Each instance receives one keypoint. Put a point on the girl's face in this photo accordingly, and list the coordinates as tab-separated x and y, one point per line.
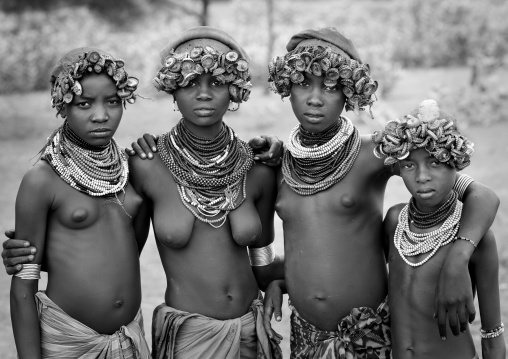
203	103
428	180
315	105
95	115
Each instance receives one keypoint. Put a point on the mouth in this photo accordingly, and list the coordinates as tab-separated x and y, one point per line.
204	111
425	193
314	116
99	132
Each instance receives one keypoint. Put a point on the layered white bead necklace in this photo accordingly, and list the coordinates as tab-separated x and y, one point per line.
410	244
95	170
308	170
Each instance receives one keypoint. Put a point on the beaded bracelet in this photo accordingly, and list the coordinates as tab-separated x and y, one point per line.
467	239
30	271
261	256
492	333
461	185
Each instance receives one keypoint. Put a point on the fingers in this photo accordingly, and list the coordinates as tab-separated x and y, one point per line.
13	270
151	141
453	321
471	311
15	243
10	233
144	147
441	322
257	142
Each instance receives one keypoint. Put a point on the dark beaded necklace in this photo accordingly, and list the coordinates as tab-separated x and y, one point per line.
210	173
94	170
311	139
429	219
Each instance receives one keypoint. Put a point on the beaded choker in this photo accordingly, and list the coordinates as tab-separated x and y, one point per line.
211	173
308	170
98	171
411	244
429	219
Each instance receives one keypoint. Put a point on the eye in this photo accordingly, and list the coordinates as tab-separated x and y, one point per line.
217	83
114	102
83	104
330	88
406	166
436	163
303	84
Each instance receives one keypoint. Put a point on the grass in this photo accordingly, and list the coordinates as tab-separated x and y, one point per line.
26	120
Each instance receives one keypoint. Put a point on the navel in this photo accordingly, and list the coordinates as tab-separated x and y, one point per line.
79	215
347	201
118	303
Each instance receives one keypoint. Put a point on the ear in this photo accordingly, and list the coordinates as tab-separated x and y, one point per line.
63	111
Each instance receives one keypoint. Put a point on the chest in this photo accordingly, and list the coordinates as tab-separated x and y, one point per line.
76	210
175	220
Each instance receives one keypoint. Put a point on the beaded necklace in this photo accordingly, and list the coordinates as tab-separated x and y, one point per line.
429	219
98	171
411	244
210	173
308	170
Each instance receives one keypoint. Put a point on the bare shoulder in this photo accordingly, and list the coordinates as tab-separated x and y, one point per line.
392	217
367	154
263	175
40	177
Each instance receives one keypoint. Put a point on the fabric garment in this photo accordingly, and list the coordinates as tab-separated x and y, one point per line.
363	334
178	334
64	337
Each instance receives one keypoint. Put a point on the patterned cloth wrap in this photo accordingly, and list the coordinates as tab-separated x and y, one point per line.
428	127
66	75
179	334
328	53
205	49
64	337
363	334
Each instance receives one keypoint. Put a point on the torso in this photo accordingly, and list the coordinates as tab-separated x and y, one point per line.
207	269
92	257
334	259
415	332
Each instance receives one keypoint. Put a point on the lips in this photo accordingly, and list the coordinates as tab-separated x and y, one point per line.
204	111
314	114
100	132
425	193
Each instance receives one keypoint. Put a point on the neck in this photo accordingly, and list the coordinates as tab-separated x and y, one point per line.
210	131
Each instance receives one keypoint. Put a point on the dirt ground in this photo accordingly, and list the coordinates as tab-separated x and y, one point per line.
26	120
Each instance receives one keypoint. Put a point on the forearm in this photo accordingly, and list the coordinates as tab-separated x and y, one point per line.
25	319
480	206
494	348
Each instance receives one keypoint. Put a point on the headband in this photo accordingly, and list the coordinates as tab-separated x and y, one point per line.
328	53
205	49
77	63
426	127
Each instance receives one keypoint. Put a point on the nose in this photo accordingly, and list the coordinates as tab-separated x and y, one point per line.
314	98
422	174
100	114
204	93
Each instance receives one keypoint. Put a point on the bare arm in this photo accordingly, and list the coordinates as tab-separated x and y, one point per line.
33	205
485	269
142	220
265	206
454	296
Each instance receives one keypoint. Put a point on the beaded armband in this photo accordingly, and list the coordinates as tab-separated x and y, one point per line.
261	256
30	271
461	185
467	239
492	333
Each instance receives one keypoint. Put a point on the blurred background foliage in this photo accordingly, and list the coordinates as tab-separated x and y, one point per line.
392	35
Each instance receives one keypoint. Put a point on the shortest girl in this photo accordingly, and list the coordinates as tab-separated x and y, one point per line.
429	151
78	208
